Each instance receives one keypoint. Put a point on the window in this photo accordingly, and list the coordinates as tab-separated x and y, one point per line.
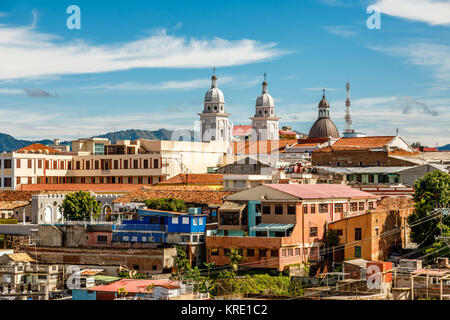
266	209
30	180
377	231
88	165
116	164
145	163
274	253
99	148
200	221
175	220
278	209
102	239
39	163
297	251
61	165
313	208
136	164
7	182
78	165
361	206
371	205
18	163
29	164
155	163
305	208
97	164
125	164
357	252
339	232
125	238
262	253
313	231
323	208
339	207
214	252
354	206
290	252
292	209
371	178
250	252
226	252
194	221
185	220
358	233
7	164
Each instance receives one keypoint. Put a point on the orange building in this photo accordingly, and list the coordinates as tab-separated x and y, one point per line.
275	225
373	235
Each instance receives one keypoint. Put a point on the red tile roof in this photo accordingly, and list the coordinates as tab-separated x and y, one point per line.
261	147
107	187
190	194
360	143
194	178
242	130
321	191
36	147
15	195
135	285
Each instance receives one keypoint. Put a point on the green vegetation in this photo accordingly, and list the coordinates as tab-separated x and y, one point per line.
166	204
235	256
431	191
80	206
8	221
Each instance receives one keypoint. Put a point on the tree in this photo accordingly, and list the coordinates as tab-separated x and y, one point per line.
80	206
235	256
441	248
331	239
416	144
122	292
430	191
166	204
181	261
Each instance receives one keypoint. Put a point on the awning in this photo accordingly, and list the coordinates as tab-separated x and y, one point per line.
272	227
232	206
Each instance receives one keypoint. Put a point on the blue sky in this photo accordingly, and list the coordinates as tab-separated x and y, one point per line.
147	65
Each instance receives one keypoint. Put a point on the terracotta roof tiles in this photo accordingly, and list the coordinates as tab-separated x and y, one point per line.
192	178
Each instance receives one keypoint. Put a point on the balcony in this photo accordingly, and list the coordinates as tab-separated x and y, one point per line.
140	227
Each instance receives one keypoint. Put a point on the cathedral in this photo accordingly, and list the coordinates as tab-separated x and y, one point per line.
215	124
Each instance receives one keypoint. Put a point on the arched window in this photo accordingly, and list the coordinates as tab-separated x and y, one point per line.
48	214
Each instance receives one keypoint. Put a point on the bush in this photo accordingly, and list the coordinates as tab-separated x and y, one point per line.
8	221
166	204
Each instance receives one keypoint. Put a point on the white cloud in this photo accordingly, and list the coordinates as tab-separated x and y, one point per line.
433	12
25	52
11	91
165	85
431	55
343	31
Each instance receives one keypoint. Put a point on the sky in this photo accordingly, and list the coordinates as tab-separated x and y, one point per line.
147	64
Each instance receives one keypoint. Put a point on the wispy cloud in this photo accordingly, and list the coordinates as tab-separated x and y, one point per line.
38	93
431	55
433	12
342	31
25	52
408	105
34	93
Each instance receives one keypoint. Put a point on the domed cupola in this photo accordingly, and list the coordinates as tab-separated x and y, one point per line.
324	127
214	122
265	121
213	97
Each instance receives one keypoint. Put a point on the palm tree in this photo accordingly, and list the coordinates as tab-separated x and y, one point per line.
235	256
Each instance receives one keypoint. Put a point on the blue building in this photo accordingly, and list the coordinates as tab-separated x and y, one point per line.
156	226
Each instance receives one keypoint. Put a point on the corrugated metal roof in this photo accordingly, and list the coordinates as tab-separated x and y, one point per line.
272	227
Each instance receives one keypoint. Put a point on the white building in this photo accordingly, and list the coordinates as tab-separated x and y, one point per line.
214	120
265	121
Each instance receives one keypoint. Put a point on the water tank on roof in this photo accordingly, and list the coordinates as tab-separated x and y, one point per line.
195	210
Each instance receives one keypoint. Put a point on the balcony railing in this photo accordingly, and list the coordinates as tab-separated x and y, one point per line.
140	227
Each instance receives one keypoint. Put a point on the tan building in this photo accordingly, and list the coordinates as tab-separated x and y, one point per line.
96	160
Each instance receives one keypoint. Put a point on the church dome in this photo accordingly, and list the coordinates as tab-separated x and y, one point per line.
265	99
214	94
323	128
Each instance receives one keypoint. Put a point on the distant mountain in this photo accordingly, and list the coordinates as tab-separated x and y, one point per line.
9	143
444	148
133	134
